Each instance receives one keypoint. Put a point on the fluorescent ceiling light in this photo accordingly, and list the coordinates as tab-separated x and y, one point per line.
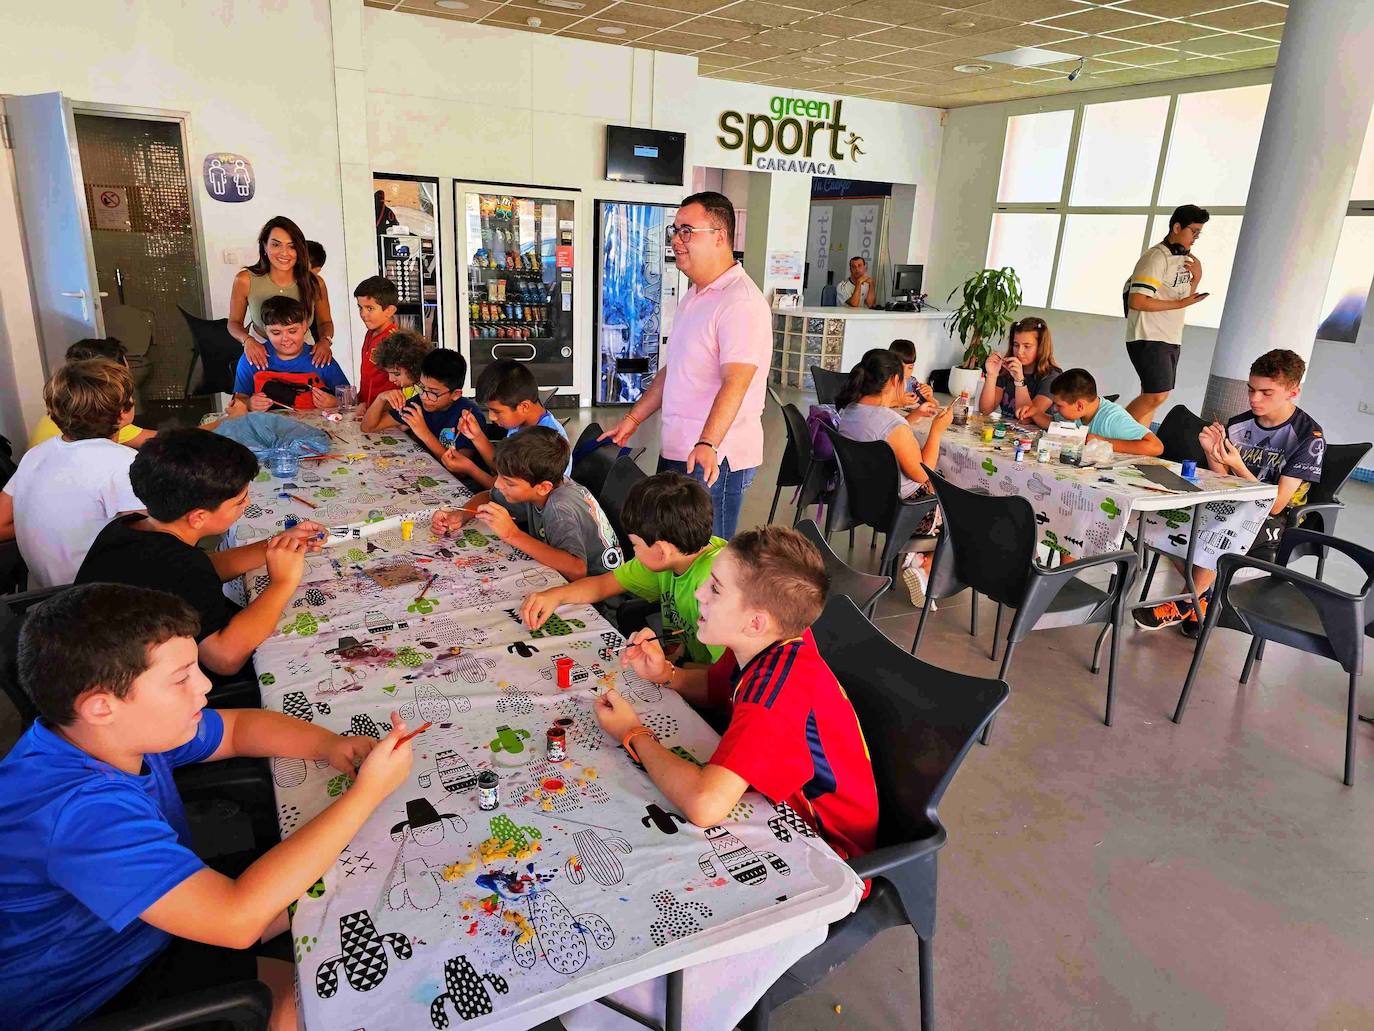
1029	57
451	5
610	30
564	5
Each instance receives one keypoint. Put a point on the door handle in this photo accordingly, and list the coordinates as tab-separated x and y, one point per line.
77	293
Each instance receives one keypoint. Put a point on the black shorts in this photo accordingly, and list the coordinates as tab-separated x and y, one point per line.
1156	363
186	966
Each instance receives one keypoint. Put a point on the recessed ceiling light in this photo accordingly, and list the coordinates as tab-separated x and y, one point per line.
610	30
1029	57
972	69
811	59
564	5
963	25
451	5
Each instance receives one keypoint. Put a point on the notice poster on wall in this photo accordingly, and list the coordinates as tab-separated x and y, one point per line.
818	243
111	208
782	276
863	232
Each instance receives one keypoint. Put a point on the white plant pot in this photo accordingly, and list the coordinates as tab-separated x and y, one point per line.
961	380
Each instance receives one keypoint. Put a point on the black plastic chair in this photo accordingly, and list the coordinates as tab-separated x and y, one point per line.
13	573
1323	502
799	467
1292	608
217	356
939	380
872	481
241	1006
592	463
1179	434
828	384
13	608
988	544
863	589
919	722
623	475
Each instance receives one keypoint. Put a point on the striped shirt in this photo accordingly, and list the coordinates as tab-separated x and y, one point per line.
794	737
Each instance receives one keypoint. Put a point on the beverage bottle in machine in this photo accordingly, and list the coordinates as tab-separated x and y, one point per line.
961	408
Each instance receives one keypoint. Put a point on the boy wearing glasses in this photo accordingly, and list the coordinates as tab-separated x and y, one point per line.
438	406
1162	284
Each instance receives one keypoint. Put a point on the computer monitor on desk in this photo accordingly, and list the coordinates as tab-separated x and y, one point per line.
906	282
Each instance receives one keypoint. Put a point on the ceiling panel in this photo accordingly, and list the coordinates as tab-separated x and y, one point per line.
906	50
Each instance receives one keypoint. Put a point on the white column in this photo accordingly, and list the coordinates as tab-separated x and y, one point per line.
1319	108
779	217
355	175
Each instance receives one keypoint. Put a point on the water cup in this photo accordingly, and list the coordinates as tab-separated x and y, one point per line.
348	398
1189	470
285	463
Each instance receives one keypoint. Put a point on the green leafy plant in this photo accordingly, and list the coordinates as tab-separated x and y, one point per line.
989	300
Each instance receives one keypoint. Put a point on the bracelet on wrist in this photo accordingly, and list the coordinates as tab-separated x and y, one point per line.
633	419
708	444
635	732
672	673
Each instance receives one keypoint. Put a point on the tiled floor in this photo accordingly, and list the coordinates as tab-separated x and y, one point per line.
1214	874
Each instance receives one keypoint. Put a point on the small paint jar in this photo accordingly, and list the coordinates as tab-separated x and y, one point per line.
557	749
564	667
407	529
488	798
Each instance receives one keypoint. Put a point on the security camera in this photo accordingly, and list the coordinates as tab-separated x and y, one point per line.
1077	70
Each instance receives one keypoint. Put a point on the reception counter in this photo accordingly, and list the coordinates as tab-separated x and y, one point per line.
836	338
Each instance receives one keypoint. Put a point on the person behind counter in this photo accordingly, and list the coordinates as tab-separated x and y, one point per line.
859	290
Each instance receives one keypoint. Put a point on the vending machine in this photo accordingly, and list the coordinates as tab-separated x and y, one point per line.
636	296
516	283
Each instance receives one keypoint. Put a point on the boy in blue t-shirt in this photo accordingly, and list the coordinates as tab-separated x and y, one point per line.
286	323
1075	395
511	395
432	415
102	900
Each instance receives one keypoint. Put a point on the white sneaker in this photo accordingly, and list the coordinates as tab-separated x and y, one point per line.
915	580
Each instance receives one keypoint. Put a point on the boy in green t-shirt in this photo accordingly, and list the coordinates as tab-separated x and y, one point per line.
668	519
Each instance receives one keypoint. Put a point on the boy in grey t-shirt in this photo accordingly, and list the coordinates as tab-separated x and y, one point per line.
531	506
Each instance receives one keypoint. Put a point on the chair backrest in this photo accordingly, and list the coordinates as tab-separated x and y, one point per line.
7	463
591	462
863	589
1338	464
939	380
777	400
546	398
796	457
919	720
828	384
217	355
13	608
623	475
871	477
990	539
1179	432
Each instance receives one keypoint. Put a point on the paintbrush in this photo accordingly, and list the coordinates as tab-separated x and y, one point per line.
427	586
297	497
418	730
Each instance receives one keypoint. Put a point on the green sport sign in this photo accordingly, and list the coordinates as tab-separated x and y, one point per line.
790	131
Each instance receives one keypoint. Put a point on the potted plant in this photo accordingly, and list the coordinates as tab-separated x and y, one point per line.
989	298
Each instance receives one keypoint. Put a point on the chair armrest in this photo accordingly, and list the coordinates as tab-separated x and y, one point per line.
1298	511
889	857
1310	542
245	1005
1045	584
1229	565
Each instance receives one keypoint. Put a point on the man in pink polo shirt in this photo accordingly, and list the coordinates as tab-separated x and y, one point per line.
712	388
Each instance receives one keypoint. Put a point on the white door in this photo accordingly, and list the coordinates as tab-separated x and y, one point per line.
56	229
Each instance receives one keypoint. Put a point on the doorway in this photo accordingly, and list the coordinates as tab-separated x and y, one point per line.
147	259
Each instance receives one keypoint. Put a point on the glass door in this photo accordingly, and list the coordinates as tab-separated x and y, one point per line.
407	212
516	298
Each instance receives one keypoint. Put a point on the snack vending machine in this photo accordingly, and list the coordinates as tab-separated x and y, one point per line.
516	296
636	296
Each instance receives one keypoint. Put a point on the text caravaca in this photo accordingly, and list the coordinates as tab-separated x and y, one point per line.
790	130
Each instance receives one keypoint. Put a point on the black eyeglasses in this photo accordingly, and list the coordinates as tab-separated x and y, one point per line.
434	395
686	232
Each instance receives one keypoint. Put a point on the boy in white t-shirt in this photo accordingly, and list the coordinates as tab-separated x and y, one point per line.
67	488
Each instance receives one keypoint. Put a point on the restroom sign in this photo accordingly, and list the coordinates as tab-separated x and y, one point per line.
229	177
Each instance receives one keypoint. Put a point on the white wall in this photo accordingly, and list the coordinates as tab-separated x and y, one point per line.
965	197
221	64
471	102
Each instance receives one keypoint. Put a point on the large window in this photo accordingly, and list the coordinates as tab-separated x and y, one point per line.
1102	180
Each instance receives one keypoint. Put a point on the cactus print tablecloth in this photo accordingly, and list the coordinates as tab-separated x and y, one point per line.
1082	515
584	880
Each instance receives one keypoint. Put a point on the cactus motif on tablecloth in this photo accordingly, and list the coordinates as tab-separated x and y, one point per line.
738	860
465	991
424	824
432	706
455	773
364	956
515	700
294	703
561	936
471	668
503	829
510	739
555	626
786	822
676	919
363	725
419	886
596	856
662	819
